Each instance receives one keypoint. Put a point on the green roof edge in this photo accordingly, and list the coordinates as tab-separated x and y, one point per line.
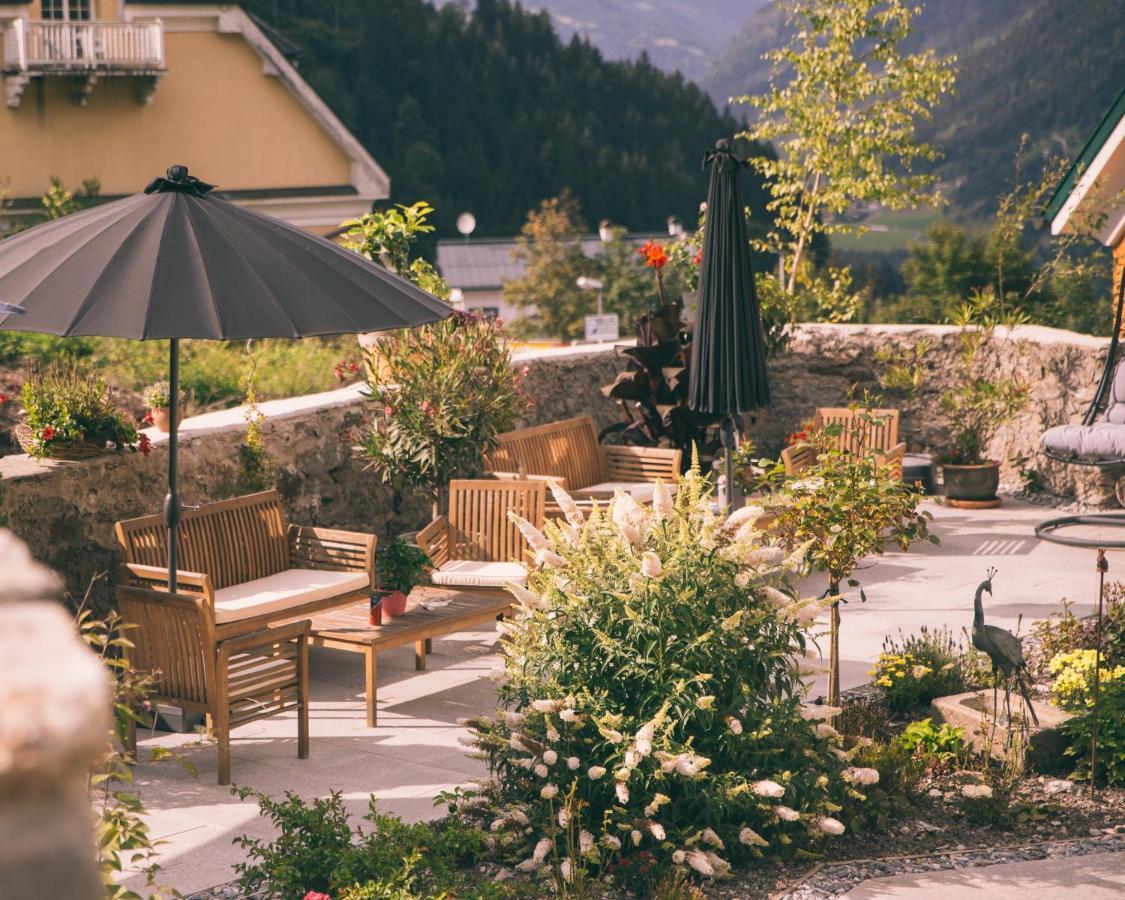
1093	146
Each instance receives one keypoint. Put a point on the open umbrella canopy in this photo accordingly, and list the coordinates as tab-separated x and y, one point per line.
175	262
178	262
728	358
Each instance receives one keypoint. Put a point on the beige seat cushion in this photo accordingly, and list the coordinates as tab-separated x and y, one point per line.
466	573
641	491
283	591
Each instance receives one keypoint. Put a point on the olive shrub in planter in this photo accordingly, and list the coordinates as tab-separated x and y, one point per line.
985	399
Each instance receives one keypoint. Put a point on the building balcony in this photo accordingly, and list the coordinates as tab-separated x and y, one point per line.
83	51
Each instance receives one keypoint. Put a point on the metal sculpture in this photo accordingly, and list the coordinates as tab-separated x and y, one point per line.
1006	652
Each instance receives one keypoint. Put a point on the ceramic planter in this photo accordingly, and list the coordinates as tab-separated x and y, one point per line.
394	603
162	419
971	483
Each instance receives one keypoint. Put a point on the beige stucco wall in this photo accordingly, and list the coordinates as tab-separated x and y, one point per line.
214	111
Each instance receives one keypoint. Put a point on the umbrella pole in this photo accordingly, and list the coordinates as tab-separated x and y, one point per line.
728	458
172	500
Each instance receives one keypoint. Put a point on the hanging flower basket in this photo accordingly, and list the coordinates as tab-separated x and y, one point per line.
58	449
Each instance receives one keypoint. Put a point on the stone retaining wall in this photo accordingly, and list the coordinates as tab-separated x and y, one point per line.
66	510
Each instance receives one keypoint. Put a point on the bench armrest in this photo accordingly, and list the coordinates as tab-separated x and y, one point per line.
893	458
434	541
311	547
798	457
516	476
156	577
641	463
268	636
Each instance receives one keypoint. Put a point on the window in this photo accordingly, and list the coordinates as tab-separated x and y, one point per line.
67	10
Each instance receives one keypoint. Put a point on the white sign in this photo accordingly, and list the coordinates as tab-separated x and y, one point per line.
602	328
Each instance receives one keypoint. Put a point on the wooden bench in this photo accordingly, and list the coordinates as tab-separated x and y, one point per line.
350	628
251	567
569	452
879	435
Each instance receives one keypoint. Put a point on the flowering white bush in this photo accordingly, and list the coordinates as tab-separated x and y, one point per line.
656	649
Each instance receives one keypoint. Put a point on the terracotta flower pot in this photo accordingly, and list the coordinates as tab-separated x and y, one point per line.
394	603
973	483
162	419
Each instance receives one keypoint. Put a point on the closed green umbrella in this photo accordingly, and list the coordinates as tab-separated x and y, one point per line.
728	355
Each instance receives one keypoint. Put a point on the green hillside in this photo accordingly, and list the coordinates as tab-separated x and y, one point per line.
490	111
1045	67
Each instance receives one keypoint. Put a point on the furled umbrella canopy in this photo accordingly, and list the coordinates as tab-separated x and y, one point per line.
728	359
179	262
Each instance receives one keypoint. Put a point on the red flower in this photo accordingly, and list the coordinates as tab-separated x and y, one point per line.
654	255
698	256
388	411
147	420
353	367
144	445
48	433
3	398
426	407
317	895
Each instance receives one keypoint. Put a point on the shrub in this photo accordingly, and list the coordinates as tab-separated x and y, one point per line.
864	718
912	671
942	744
65	406
651	698
1059	633
900	770
441	395
318	849
1073	691
846	506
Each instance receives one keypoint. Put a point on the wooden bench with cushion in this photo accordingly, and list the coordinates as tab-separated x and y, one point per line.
569	452
251	566
477	547
880	435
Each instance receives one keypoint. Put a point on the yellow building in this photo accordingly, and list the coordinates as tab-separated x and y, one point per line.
119	91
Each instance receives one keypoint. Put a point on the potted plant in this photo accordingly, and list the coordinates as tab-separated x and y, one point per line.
399	567
158	397
978	406
69	415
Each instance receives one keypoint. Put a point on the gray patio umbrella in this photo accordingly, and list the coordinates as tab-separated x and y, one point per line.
728	348
177	262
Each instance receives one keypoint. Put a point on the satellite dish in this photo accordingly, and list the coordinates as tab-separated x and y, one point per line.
466	223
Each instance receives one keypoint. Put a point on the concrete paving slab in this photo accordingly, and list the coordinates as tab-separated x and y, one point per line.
1099	876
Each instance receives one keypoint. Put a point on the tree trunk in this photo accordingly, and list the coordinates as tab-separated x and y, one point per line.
834	647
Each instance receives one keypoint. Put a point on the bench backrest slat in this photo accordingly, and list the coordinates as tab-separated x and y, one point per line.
478	517
568	449
233	541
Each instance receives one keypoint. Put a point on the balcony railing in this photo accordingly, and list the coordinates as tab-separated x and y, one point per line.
74	47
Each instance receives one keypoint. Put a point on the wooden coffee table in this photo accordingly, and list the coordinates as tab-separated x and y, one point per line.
348	628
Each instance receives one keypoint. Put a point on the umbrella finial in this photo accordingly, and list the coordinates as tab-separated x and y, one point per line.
177	180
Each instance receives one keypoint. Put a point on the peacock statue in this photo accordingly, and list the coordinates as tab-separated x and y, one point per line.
1004	649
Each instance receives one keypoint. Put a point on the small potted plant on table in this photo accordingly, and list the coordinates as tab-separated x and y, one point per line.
984	400
399	568
158	397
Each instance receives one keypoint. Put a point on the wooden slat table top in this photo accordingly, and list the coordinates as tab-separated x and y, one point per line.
350	625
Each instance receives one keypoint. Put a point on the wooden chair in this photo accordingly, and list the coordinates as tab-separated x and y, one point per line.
879	435
477	546
251	566
568	452
233	681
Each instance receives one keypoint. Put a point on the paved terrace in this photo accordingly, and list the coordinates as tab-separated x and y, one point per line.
415	751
